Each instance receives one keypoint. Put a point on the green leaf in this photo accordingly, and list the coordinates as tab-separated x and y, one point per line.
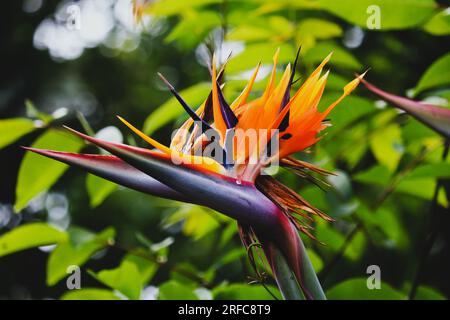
394	14
349	110
249	33
172	109
327	234
431	170
271	28
387	146
421	188
37	174
13	129
438	74
320	29
186	278
194	28
336	82
228	233
378	175
33	112
146	267
82	245
239	291
414	132
259	52
126	279
334	240
341	58
230	256
356	247
384	226
173	290
198	221
98	189
415	184
356	288
89	294
426	293
29	236
439	24
172	7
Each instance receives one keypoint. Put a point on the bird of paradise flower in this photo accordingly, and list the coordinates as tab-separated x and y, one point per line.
268	213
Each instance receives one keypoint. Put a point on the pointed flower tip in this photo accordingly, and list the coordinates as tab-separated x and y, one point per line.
275	56
166	82
361	76
354	83
129	125
38	151
32	149
43	152
74	131
213	61
138	132
436	117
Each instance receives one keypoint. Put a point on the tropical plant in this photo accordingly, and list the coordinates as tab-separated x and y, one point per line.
389	166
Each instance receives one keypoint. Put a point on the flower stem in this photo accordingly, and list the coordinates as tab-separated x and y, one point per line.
287	283
310	279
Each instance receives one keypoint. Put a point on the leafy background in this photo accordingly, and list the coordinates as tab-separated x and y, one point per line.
133	246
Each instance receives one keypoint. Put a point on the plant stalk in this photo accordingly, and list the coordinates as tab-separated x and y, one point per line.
287	283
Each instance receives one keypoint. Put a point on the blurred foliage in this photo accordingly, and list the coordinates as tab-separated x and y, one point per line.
133	246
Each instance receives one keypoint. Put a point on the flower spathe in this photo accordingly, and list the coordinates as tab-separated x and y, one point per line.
266	210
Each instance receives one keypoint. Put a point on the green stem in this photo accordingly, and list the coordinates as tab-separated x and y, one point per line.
310	279
287	283
285	278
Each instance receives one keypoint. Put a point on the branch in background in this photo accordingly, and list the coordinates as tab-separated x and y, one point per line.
433	232
380	200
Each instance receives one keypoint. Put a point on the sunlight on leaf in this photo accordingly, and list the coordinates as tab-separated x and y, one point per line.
439	24
395	14
98	189
30	236
125	279
172	7
198	221
90	294
171	109
13	129
173	290
341	58
356	288
438	74
37	174
387	146
315	260
82	245
244	292
259	52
